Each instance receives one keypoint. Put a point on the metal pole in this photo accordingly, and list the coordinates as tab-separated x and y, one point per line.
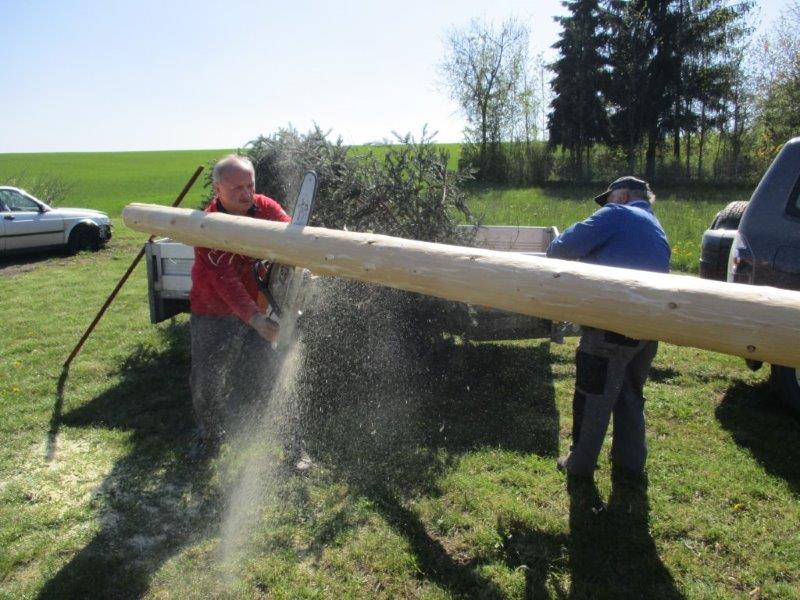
127	274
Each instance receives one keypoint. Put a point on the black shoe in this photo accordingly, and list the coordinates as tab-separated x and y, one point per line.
562	463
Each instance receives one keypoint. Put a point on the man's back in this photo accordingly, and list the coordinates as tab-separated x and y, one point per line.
618	235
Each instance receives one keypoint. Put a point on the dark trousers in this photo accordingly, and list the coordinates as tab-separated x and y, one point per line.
232	370
611	372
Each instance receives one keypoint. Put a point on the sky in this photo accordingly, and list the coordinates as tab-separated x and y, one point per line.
108	75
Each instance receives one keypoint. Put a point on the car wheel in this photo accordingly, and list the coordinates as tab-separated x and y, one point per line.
83	237
786	382
730	216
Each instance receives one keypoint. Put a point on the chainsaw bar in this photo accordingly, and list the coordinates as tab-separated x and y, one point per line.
285	282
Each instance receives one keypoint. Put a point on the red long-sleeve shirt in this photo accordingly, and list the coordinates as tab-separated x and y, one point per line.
223	282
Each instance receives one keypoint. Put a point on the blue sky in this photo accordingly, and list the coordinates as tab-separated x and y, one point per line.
96	76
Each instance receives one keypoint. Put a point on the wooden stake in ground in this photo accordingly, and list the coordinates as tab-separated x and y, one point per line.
761	323
125	277
55	417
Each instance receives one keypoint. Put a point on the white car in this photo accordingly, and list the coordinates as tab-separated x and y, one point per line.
29	224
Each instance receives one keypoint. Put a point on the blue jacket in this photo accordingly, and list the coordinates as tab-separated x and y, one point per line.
617	235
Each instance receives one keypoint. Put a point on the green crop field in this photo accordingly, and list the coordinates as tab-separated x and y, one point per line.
109	181
98	498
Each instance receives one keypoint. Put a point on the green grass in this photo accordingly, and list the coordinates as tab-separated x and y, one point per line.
113	507
108	181
482	511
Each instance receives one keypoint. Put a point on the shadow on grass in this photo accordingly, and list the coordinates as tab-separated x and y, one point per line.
609	551
22	262
153	502
757	422
612	554
485	395
663	374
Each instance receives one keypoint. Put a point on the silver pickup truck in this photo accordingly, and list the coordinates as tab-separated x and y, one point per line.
169	267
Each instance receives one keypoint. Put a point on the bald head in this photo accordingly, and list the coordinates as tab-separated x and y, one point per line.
229	164
234	183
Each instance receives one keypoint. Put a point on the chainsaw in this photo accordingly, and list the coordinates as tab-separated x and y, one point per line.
281	287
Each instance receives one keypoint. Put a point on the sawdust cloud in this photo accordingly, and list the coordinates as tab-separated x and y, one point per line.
349	387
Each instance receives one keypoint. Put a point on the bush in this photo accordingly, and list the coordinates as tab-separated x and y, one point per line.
367	348
50	190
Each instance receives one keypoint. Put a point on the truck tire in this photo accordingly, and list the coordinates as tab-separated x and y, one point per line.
786	383
718	239
730	216
714	250
83	237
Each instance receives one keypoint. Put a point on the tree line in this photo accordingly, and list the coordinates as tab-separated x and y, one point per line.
672	90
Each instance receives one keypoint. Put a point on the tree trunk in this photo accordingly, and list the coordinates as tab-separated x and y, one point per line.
761	323
588	162
581	169
650	155
701	143
630	157
688	155
721	143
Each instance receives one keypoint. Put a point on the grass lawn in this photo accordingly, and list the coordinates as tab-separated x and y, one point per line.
98	499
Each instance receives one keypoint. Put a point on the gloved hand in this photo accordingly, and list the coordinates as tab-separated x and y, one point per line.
266	328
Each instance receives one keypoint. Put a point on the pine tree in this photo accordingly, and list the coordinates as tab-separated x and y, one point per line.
710	33
671	70
630	48
578	117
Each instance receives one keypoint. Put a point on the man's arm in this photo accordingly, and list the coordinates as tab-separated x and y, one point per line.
584	237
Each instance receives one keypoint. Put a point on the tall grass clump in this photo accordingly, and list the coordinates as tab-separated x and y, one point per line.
50	190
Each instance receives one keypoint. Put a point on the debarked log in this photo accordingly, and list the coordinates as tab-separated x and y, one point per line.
760	323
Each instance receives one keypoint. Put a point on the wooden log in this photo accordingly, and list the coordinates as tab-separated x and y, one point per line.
760	323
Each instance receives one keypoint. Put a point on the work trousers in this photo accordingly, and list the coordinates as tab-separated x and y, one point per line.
232	371
611	372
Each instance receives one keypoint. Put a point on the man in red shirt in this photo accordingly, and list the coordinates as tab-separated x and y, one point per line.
232	357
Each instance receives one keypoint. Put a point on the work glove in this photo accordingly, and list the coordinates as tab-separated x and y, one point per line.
266	328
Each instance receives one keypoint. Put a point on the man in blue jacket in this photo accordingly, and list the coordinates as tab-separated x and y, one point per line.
611	369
